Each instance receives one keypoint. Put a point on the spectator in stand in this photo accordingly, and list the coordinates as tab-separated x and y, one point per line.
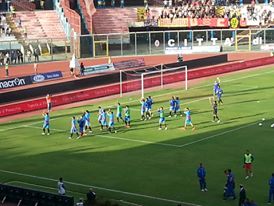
25	32
36	54
82	69
122	3
13	58
2	58
112	3
29	55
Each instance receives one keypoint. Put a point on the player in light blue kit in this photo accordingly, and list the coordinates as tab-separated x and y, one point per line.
188	120
46	123
127	116
100	111
172	105
87	121
111	121
143	109
73	129
103	120
162	119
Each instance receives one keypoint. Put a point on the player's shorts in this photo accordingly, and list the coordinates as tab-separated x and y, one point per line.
87	123
46	126
188	122
177	109
119	115
49	106
127	118
215	112
147	109
73	130
171	108
111	124
143	112
248	166
103	122
162	120
81	129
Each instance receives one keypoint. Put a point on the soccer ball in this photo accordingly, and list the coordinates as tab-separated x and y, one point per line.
260	124
272	126
263	119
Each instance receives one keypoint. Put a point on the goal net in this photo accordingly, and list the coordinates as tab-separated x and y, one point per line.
157	76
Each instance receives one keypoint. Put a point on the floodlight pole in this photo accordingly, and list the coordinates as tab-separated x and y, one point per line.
121	83
142	84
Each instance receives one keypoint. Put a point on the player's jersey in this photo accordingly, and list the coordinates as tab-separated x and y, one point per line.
48	98
216	87
143	106
127	112
73	123
111	118
161	113
46	119
219	93
215	108
119	109
177	104
187	113
100	112
103	117
87	116
81	122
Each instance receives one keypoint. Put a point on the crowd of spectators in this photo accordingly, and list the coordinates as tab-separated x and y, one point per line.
257	13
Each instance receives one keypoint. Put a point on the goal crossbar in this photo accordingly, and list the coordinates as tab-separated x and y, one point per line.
161	71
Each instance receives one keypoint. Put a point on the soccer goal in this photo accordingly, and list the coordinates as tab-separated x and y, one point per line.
159	75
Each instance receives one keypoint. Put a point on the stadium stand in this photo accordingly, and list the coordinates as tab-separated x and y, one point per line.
113	20
23	5
41	24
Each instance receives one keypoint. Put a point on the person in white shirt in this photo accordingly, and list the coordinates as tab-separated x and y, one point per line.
61	187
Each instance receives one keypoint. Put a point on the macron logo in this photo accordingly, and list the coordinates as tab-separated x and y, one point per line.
12	83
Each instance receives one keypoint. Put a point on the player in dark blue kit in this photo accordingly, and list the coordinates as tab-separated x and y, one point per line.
172	105
219	95
230	185
216	86
201	173
148	108
151	103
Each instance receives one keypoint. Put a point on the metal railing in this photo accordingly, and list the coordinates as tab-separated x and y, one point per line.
147	43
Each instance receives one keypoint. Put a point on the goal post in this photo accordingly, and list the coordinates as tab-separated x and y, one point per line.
159	75
162	72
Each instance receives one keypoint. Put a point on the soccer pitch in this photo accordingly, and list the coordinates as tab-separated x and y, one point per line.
146	166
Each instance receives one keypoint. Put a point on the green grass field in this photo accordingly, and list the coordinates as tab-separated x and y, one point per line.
143	165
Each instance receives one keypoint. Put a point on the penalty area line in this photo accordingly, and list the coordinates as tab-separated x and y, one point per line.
101	188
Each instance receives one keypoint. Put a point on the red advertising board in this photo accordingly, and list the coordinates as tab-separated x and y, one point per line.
135	85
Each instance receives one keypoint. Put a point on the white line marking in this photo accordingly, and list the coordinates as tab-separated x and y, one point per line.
102	188
41	186
25	125
218	134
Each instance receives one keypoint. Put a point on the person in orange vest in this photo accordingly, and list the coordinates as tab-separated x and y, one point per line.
49	105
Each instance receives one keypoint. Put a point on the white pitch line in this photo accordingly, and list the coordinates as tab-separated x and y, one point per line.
25	125
217	135
102	188
115	137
